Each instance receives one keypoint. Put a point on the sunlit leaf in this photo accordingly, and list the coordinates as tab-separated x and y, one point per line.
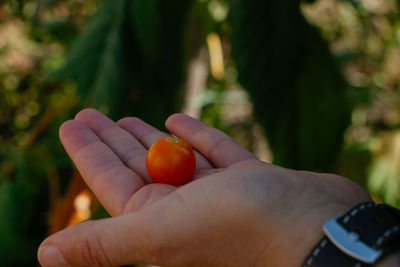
384	175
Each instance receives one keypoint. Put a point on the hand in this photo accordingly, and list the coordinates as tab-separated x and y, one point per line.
238	211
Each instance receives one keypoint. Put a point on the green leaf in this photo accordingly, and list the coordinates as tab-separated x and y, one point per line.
61	30
12	223
95	60
158	32
383	180
146	21
132	57
18	202
298	93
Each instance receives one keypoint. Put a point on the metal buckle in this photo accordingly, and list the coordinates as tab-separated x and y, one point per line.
349	242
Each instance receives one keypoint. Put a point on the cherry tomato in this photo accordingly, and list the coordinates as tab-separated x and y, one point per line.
171	160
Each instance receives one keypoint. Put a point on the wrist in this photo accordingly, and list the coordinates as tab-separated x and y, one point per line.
361	236
315	230
295	227
294	241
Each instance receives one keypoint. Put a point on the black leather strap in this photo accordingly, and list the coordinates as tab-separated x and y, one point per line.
326	254
377	225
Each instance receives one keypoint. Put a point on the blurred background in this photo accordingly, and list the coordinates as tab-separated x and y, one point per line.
310	85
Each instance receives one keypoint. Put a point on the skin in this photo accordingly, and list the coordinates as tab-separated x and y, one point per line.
238	210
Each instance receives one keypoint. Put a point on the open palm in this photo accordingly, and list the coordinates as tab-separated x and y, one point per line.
239	211
111	156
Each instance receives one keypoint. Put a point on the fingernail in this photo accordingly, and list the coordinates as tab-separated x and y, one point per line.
50	256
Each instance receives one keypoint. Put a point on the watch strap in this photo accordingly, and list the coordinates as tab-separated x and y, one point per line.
373	226
326	254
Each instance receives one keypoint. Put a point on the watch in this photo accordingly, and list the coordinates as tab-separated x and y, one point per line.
358	238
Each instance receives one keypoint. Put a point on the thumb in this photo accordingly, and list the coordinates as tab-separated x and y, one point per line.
137	237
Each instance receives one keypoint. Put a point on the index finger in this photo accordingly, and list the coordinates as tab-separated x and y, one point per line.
111	181
220	149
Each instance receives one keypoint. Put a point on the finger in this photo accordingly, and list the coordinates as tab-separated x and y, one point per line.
175	231
147	236
147	135
128	149
221	150
112	182
106	242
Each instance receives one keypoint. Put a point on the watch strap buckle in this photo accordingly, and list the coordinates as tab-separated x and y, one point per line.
349	242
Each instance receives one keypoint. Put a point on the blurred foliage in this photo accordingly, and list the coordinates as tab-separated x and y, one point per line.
113	61
364	38
302	106
319	79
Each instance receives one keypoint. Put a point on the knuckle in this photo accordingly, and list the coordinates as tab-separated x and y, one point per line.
93	252
132	155
217	147
199	130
